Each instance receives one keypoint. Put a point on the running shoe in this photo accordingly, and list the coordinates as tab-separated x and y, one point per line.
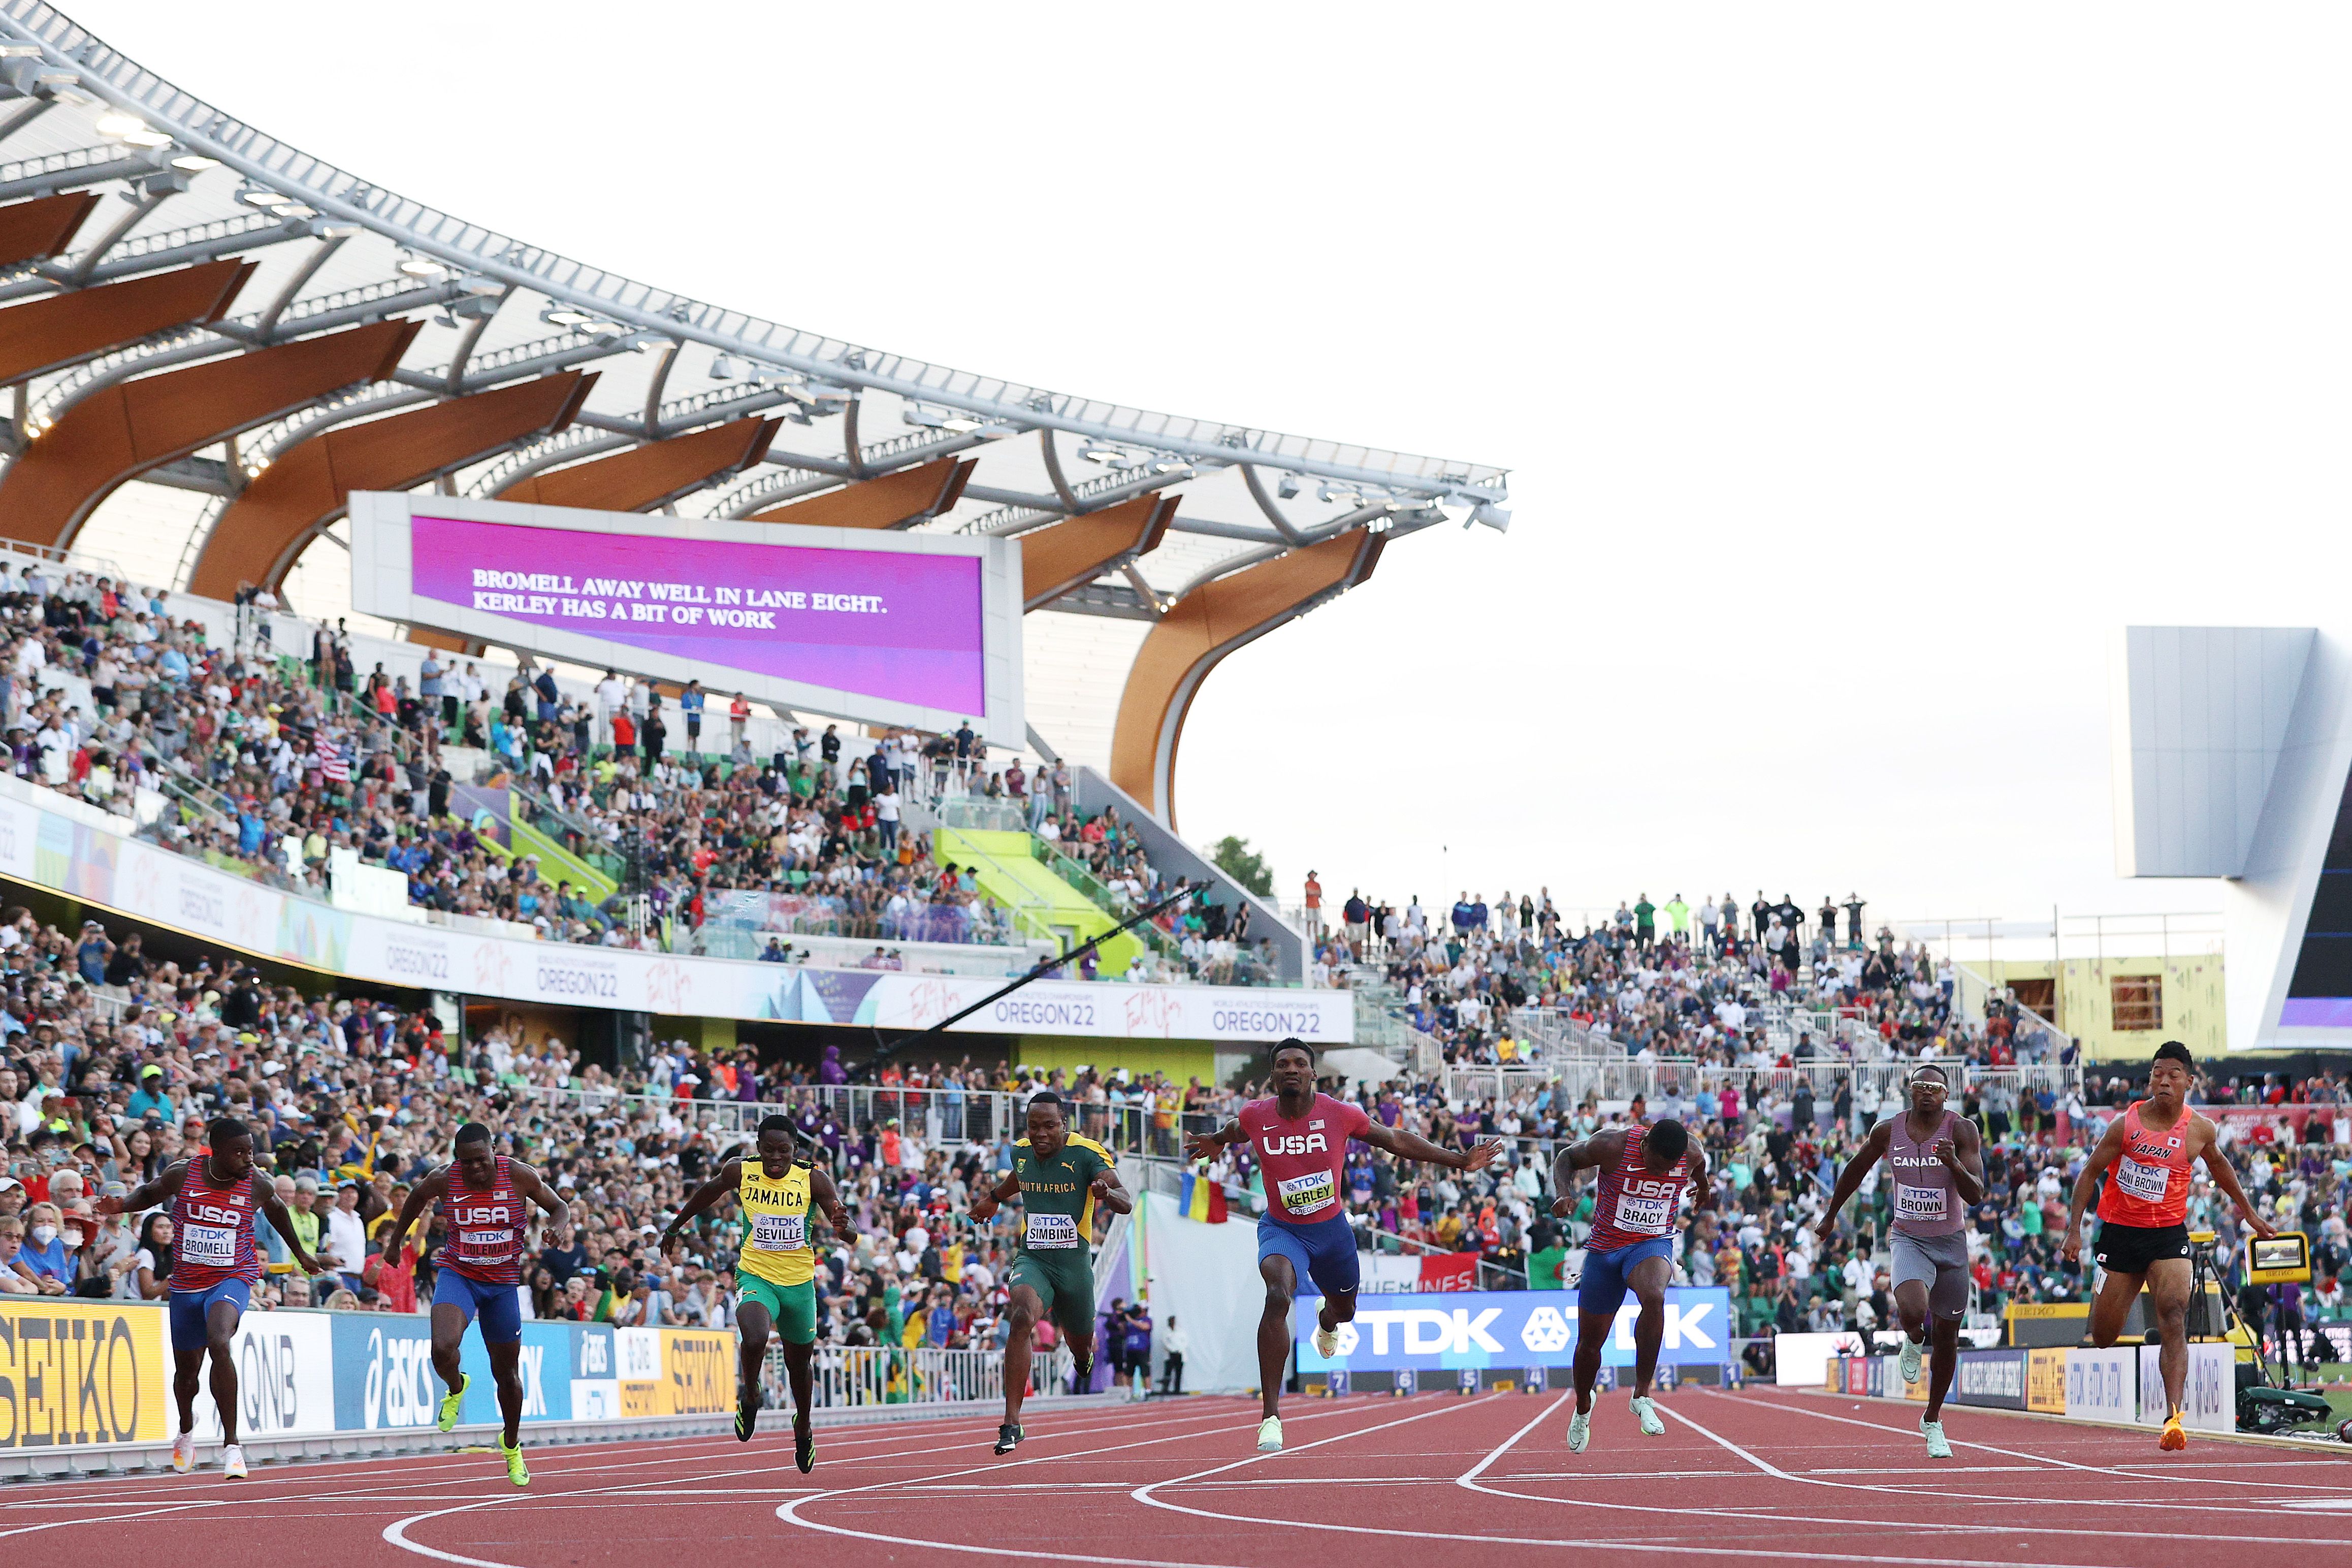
1327	1343
1646	1408
1083	1371
1938	1447
747	1413
1008	1437
232	1463
804	1448
2172	1439
1269	1435
1580	1432
516	1471
184	1452
449	1402
1908	1359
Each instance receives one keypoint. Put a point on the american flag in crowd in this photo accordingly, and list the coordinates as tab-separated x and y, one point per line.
334	762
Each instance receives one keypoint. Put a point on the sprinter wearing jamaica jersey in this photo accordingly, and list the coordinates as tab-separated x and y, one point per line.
775	1270
1060	1177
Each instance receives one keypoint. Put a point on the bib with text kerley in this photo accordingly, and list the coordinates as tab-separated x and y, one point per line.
1052	1232
2142	1181
780	1232
1648	1215
1305	1195
1919	1202
211	1246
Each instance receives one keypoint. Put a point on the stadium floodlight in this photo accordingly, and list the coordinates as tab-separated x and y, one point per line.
254	196
422	267
20	51
114	122
723	367
565	316
950	419
323	230
1288	488
1330	493
1102	452
295	210
1492	515
1171	465
194	162
475	308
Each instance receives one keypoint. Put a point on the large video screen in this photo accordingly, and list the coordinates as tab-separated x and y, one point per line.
918	629
2319	994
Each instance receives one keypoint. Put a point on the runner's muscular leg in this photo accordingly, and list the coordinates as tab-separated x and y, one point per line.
800	1362
1648	1281
220	1339
2112	1306
506	1369
751	1347
2167	1288
1911	1307
1274	1328
1339	1307
1592	1331
1943	1360
1024	1311
448	1334
187	1368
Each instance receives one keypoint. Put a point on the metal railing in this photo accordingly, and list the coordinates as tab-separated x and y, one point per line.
1878	1084
846	1375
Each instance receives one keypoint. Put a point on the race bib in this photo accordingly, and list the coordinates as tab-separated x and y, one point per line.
1920	1202
1307	1194
2142	1181
487	1242
211	1246
1646	1216
780	1232
1051	1233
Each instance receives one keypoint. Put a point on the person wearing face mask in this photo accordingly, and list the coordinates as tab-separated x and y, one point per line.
44	1260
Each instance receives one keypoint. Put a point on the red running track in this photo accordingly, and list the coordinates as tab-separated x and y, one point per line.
1757	1477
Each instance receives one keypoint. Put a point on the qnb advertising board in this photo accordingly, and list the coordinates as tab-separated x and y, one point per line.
1504	1328
916	629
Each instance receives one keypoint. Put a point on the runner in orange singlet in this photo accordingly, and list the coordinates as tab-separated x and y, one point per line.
2143	1217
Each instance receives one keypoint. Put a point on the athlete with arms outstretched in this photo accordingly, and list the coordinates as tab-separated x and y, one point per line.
1301	1138
215	1196
484	1197
2144	1214
1938	1161
775	1269
1646	1172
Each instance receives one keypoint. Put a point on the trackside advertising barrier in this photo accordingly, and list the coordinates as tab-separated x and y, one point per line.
1473	1329
80	1374
2115	1385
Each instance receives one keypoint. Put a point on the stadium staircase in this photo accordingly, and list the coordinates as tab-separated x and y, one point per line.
1043	904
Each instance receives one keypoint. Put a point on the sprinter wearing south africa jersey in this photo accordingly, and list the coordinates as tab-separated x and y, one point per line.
775	1269
1060	1177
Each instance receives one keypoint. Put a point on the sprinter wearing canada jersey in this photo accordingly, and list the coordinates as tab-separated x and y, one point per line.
484	1213
1301	1139
1646	1175
215	1196
2143	1217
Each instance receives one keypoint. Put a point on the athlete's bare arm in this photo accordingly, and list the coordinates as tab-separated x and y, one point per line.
2087	1186
1963	1155
1110	1194
533	1186
984	1207
724	1181
420	1196
1849	1181
2224	1176
821	1189
1702	1192
1407	1145
147	1195
1204	1146
283	1223
1602	1149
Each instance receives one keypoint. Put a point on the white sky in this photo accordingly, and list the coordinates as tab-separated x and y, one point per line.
1862	368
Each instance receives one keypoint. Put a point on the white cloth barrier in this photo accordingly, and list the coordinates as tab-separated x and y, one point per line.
1204	1277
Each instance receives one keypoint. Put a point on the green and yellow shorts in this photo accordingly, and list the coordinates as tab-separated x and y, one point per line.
792	1308
1065	1283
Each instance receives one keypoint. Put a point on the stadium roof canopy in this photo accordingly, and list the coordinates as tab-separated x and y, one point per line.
211	337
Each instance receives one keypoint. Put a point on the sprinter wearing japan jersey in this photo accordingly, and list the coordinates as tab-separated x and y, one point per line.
485	1218
1646	1174
2142	1217
1301	1139
215	1262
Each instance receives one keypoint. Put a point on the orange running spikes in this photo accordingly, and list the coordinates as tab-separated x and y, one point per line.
2172	1439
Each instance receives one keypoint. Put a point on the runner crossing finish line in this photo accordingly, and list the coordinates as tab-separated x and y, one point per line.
1645	1174
1060	1176
1938	1160
1301	1137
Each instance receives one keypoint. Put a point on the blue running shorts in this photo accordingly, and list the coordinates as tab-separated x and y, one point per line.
1323	1252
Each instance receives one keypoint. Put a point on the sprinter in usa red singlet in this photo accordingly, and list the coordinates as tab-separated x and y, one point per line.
484	1199
2143	1217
